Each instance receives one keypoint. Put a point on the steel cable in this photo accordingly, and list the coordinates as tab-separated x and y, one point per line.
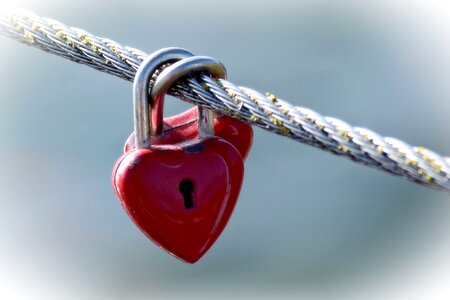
266	111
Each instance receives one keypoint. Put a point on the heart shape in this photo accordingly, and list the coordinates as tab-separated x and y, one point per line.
185	126
181	196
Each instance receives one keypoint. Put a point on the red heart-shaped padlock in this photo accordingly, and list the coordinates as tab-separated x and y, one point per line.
181	196
180	192
185	126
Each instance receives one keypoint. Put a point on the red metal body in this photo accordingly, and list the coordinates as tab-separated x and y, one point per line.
185	126
181	195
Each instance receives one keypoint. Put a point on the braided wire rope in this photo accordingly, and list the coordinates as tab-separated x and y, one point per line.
266	111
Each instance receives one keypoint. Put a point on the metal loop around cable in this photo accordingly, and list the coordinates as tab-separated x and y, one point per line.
148	124
170	75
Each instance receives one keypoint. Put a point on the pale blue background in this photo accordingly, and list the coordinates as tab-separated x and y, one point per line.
308	224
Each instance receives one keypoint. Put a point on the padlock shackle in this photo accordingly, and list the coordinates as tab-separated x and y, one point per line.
147	125
148	100
170	75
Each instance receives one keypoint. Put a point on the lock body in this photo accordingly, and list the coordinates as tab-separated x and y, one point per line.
185	201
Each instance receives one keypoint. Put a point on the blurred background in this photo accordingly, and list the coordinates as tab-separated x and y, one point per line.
307	225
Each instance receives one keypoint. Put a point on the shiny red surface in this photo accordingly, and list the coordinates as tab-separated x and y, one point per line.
184	126
147	183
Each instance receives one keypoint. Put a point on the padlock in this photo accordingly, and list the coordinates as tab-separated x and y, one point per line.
185	126
180	195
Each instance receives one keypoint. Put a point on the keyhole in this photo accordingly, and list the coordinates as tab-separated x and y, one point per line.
187	189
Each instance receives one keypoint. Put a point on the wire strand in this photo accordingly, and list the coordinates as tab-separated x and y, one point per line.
266	111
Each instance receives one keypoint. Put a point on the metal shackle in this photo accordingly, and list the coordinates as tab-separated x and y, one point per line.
181	68
148	101
144	125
